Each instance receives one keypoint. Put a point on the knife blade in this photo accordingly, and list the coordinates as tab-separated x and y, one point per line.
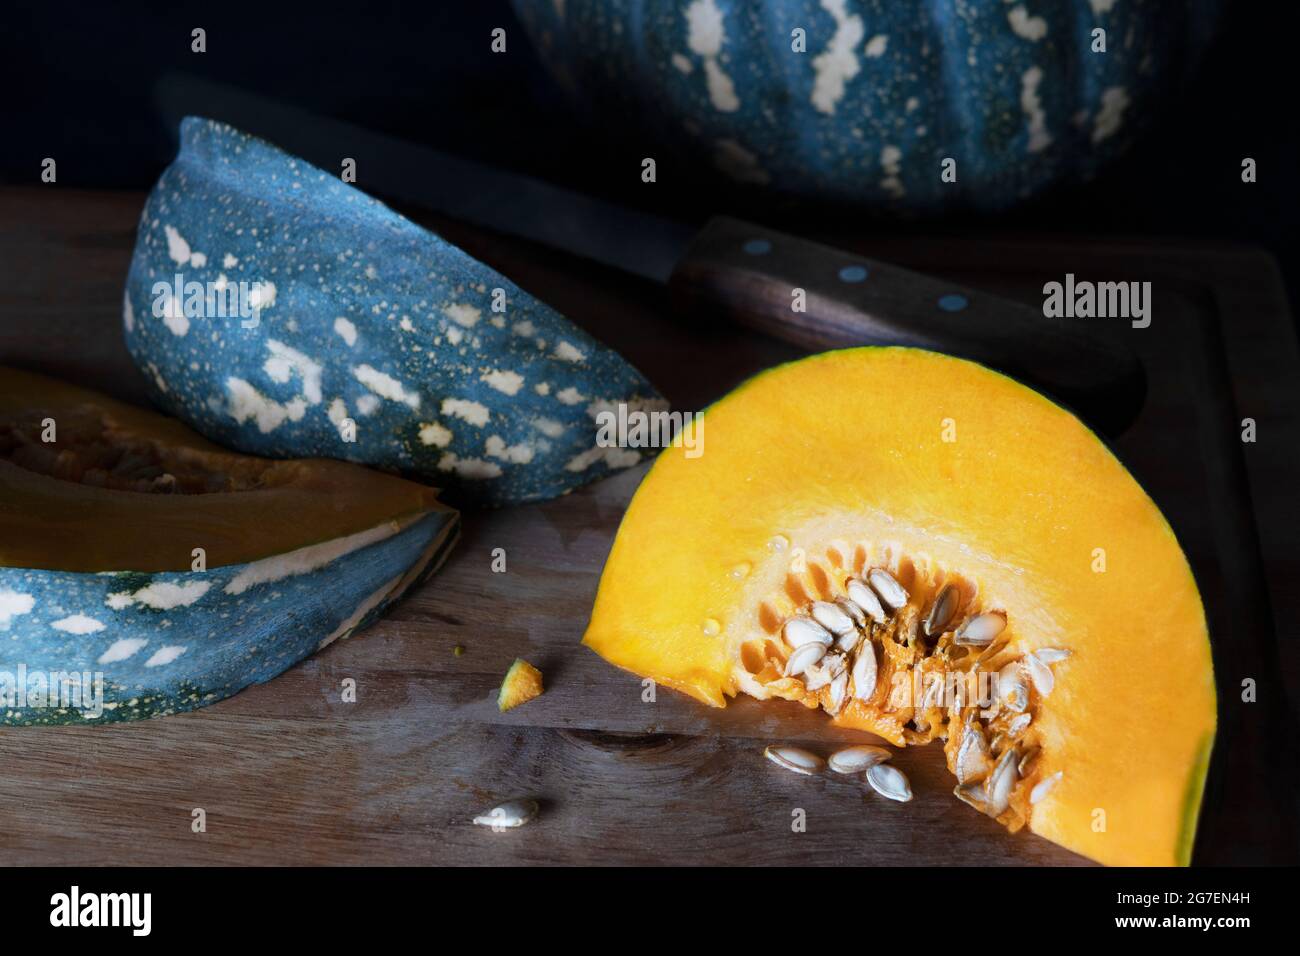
814	295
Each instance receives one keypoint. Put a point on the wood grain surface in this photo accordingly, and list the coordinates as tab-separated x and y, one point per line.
286	773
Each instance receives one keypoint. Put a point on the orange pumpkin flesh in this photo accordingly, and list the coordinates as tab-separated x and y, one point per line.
522	683
941	472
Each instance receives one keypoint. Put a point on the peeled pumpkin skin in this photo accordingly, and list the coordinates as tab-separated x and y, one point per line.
837	463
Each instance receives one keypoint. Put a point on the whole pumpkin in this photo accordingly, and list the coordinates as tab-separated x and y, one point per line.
908	104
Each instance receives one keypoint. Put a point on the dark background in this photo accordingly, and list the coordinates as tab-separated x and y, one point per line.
78	80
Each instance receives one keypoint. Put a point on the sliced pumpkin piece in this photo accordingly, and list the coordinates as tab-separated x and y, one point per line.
523	682
926	550
164	573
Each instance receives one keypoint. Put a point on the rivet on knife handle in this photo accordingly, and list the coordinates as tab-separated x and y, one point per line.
748	273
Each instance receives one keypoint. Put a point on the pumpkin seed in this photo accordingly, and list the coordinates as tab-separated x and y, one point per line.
1019	724
852	610
804	657
1016	698
826	670
887	586
973	758
800	631
864	671
866	599
847	642
1000	782
973	795
1051	655
838	688
1040	674
1030	756
514	813
941	611
980	629
795	759
889	782
857	759
1045	786
993	650
832	618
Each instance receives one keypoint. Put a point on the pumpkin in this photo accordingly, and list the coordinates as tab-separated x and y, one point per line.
163	573
928	550
1005	97
522	683
280	311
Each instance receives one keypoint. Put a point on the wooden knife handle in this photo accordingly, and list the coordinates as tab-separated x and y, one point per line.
750	274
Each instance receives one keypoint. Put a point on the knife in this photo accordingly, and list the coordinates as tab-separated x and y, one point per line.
746	272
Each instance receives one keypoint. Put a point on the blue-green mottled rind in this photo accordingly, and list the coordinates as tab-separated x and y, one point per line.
886	90
372	320
168	642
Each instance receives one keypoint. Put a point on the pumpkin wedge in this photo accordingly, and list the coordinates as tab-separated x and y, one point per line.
144	570
929	550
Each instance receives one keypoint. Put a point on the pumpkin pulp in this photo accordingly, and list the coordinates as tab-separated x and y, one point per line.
88	483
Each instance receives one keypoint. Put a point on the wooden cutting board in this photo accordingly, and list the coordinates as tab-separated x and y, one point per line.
287	774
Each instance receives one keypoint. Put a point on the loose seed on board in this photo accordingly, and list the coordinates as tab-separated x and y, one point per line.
889	782
1045	786
865	598
857	759
941	611
1040	674
804	657
1000	783
832	618
864	671
800	631
795	758
887	586
980	629
1051	655
514	813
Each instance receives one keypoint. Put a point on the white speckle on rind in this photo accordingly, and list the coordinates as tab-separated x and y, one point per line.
568	352
469	467
876	45
198	260
338	412
367	404
165	595
891	158
165	655
434	434
385	386
738	163
520	454
838	63
177	248
524	328
508	383
12	604
613	457
549	427
1039	138
173	314
466	410
284	361
570	396
682	63
346	330
308	559
247	403
128	313
465	315
120	650
229	261
1025	26
1102	6
705	34
77	624
1114	100
119	600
